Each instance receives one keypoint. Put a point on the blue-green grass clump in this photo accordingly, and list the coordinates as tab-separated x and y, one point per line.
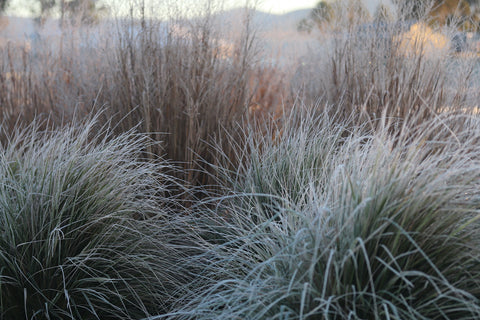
85	232
338	221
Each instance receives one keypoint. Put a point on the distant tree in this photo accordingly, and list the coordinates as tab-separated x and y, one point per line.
3	5
322	13
45	7
343	13
439	12
83	11
75	11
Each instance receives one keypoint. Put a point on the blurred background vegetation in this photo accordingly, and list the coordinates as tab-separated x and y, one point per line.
440	12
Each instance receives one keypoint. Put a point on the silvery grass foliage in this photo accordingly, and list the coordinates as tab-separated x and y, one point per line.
84	230
335	221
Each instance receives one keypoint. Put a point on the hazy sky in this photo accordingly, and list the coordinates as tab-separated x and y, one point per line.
282	6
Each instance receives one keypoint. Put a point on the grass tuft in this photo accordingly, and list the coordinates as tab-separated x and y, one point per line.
85	230
333	221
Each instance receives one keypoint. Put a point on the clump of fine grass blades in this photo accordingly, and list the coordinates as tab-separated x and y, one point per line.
334	221
84	230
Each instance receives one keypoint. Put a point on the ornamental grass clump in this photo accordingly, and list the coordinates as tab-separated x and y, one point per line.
84	230
343	223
